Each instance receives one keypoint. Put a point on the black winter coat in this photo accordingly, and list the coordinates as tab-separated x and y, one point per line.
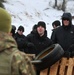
21	42
40	43
63	36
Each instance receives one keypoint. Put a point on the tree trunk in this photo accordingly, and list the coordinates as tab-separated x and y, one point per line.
55	4
64	5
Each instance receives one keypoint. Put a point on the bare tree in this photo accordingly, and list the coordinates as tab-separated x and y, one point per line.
64	5
55	4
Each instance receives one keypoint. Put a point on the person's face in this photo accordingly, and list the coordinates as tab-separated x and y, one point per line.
40	30
20	32
66	22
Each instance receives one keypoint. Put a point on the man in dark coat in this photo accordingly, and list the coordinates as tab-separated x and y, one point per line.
21	39
39	39
64	35
23	44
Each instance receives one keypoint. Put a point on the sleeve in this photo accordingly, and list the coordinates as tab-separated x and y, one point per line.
53	37
22	64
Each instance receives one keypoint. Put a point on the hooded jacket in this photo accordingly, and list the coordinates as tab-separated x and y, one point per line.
64	35
69	17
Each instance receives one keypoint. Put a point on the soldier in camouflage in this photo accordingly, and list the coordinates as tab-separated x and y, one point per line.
12	61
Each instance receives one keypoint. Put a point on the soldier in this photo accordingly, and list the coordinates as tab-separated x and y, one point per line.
12	61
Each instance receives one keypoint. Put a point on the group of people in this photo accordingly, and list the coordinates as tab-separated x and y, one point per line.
14	46
35	42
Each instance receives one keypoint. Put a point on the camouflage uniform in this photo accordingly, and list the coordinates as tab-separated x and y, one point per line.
17	63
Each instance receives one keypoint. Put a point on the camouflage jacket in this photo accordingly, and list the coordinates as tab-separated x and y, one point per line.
19	64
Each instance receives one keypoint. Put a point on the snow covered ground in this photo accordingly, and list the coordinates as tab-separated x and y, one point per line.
29	12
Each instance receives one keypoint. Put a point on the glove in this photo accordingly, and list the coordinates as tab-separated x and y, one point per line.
72	54
67	54
71	50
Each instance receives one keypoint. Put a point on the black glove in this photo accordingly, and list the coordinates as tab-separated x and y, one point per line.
72	54
67	54
71	50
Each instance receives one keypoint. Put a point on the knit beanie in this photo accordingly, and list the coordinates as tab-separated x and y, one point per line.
41	23
5	21
21	28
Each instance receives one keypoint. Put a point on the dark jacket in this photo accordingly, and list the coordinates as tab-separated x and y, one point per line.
21	42
64	35
40	43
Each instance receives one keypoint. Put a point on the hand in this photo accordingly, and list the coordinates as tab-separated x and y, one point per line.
71	50
67	54
72	54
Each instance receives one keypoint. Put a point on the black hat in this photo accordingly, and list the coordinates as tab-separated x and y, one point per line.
56	23
21	28
34	27
13	30
41	23
13	27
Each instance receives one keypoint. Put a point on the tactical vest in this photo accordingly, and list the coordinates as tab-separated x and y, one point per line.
5	63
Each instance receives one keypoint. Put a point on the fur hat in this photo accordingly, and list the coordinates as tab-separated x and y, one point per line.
5	21
21	28
41	23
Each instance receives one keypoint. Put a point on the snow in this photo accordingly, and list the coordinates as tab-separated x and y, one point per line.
29	12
